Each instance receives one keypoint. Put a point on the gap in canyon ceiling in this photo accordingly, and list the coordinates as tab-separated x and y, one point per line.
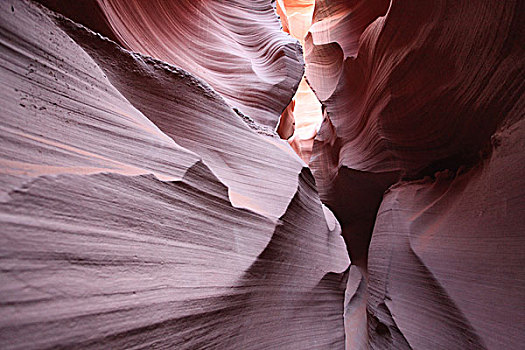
302	118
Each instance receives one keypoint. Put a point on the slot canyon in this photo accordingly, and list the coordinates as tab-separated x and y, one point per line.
262	174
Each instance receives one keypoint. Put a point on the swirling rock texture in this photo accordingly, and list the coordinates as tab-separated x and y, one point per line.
147	202
139	210
420	156
237	47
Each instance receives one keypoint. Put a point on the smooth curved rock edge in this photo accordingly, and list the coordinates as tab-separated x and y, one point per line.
301	120
118	228
420	156
134	215
235	46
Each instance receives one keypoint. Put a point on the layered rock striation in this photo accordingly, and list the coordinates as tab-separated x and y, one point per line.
237	47
420	156
138	209
146	200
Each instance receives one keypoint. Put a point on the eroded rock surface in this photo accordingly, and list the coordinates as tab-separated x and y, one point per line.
138	209
237	47
446	262
302	118
421	97
147	202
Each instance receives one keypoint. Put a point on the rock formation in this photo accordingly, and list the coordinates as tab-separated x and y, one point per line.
420	156
301	120
237	46
140	210
148	199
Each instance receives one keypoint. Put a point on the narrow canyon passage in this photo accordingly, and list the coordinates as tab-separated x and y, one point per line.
257	174
302	118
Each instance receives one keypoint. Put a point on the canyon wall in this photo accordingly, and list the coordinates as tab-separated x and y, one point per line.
237	46
421	158
139	209
147	200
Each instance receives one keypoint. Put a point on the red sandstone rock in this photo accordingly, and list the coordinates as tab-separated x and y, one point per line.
446	258
304	115
139	210
425	91
235	46
286	125
409	100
